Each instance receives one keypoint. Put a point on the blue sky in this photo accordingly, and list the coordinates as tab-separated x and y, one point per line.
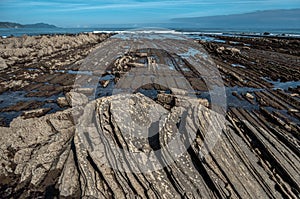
76	13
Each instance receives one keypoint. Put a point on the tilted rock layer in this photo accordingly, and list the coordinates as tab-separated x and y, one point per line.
53	156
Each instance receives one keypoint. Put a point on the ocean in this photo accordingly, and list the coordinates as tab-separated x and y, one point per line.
17	32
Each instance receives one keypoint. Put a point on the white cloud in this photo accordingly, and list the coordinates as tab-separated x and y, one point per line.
135	4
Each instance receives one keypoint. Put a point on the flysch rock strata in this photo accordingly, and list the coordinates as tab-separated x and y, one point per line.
51	155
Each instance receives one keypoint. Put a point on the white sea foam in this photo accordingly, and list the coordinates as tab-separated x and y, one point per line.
139	31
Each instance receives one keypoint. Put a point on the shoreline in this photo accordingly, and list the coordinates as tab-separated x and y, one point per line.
19	32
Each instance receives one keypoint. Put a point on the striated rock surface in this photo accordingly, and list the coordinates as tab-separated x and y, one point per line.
111	148
33	153
50	156
37	71
16	49
2	64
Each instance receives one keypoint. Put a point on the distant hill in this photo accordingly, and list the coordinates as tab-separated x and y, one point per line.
17	25
259	19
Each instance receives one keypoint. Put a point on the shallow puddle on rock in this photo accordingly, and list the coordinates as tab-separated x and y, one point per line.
282	85
75	72
206	38
238	65
11	98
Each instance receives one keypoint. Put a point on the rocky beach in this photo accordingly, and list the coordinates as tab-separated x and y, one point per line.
62	116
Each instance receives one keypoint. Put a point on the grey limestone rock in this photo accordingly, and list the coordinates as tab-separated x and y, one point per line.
128	146
3	65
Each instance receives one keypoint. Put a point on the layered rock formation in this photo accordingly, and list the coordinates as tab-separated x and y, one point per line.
30	50
97	158
36	70
131	146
